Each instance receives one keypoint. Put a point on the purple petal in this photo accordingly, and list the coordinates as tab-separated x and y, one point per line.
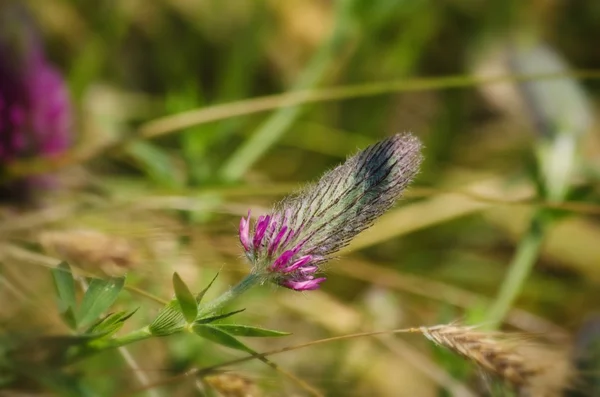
306	270
244	232
282	260
260	229
304	285
275	242
272	227
303	260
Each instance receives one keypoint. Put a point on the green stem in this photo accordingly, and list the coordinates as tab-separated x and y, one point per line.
132	337
135	336
248	282
98	346
520	267
144	333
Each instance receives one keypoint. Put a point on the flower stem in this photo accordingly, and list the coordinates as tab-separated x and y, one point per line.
248	282
132	337
520	267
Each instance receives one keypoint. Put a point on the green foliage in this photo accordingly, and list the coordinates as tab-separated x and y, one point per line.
246	330
210	319
65	290
220	337
201	294
99	296
155	162
178	131
187	302
169	320
110	324
184	309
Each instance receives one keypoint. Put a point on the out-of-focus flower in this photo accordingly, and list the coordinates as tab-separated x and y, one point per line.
35	115
558	107
289	245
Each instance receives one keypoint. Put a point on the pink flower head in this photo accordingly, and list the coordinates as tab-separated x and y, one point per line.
35	116
289	245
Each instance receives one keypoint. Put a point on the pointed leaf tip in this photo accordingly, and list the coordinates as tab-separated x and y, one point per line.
221	337
249	331
187	301
201	294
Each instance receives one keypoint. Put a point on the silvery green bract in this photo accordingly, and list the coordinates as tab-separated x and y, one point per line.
306	229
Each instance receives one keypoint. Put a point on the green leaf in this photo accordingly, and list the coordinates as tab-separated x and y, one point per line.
203	292
65	289
187	302
207	320
110	323
169	320
219	336
69	317
99	296
246	330
156	162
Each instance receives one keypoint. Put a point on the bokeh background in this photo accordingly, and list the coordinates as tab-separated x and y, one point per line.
180	124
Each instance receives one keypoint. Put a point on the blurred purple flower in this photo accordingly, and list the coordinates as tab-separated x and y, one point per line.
35	114
289	245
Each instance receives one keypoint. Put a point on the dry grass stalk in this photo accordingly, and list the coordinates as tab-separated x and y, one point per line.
232	385
531	369
92	250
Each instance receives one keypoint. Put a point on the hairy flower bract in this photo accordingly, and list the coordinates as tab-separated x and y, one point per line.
289	245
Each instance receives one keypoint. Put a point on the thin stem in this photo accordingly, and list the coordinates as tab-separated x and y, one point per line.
132	337
248	282
520	267
128	357
138	372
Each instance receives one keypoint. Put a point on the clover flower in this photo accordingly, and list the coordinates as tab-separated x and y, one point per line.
35	116
289	245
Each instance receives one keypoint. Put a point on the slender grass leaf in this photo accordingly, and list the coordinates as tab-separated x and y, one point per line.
99	296
65	287
156	162
560	110
207	320
187	302
268	133
201	294
221	337
246	330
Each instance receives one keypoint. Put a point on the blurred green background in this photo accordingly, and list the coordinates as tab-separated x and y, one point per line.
180	128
